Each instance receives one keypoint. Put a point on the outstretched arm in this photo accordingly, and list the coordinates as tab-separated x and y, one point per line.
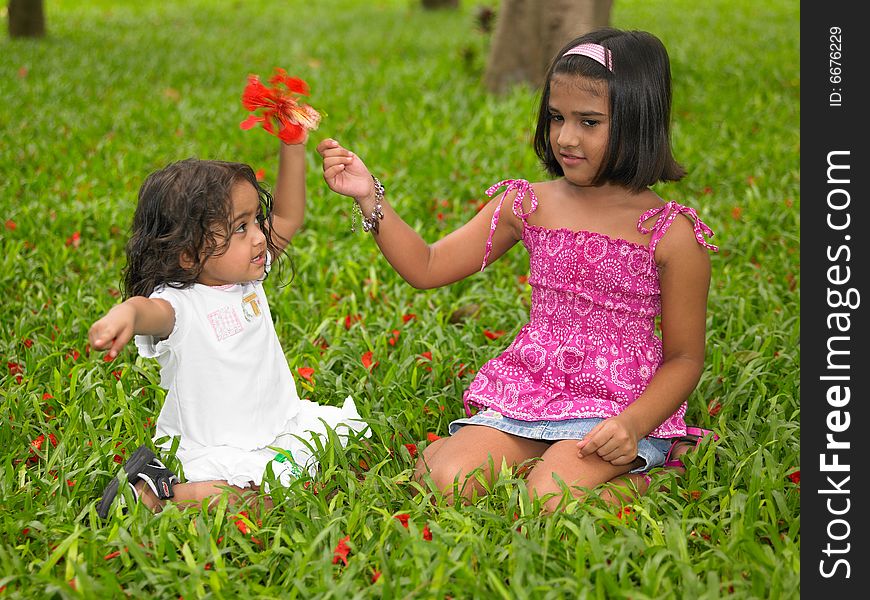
135	316
423	265
288	209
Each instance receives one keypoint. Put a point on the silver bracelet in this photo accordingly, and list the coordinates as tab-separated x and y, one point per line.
370	223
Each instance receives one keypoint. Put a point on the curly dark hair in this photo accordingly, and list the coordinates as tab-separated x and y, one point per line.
182	209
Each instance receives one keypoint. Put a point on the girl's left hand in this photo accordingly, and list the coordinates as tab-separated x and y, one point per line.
612	441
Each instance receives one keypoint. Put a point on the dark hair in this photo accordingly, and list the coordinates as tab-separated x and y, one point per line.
638	150
182	210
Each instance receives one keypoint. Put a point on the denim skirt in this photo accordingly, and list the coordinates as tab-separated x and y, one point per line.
651	449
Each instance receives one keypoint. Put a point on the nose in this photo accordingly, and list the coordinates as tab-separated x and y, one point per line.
259	236
568	136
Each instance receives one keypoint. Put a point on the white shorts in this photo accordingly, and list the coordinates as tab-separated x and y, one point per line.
289	454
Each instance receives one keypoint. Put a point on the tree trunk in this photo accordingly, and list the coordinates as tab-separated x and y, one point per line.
26	18
529	32
430	4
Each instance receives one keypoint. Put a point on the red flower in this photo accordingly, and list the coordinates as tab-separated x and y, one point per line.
714	407
349	320
493	335
241	524
403	519
367	361
11	225
28	343
394	338
432	437
412	449
408	317
260	174
74	240
375	576
279	106
795	477
306	373
341	551
14	368
427	533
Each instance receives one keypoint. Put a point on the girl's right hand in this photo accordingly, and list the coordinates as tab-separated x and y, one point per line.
113	330
344	172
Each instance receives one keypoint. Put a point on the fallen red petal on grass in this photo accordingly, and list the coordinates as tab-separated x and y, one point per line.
368	362
341	551
493	335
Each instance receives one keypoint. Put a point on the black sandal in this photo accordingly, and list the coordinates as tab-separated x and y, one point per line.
142	465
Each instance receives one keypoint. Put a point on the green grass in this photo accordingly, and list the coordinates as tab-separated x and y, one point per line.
118	89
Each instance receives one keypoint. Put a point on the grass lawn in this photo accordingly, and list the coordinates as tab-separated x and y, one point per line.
119	89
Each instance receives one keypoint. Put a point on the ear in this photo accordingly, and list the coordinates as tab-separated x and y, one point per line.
185	260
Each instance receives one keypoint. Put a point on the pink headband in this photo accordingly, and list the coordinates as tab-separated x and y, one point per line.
596	52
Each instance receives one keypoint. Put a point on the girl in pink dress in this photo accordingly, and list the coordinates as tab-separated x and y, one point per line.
588	390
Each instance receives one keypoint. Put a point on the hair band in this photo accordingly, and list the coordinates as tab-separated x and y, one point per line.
596	52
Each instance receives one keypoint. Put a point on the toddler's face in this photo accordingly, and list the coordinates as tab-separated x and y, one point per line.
579	125
245	257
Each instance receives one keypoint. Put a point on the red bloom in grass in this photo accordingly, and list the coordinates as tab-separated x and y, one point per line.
260	174
350	319
403	519
412	449
341	551
11	225
306	373
795	477
74	240
367	361
28	343
493	335
394	338
427	533
714	407
626	512
15	368
375	576
241	525
432	437
279	107
408	317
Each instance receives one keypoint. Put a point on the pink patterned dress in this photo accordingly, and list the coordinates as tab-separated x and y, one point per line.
590	347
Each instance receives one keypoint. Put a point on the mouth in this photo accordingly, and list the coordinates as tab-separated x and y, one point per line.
260	259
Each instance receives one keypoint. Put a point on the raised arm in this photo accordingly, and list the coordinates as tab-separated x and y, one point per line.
453	257
288	209
135	316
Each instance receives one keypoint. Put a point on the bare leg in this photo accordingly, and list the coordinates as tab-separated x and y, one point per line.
454	458
580	474
193	493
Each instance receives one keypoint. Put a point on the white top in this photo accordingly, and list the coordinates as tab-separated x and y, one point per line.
227	379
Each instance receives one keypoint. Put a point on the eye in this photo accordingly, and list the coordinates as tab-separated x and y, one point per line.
555	117
590	122
241	228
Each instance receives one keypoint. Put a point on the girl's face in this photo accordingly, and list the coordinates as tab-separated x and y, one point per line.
579	125
245	257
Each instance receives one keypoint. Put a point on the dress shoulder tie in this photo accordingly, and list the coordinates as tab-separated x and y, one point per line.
522	188
666	215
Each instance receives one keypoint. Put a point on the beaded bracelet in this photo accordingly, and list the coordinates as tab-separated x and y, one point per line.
370	223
